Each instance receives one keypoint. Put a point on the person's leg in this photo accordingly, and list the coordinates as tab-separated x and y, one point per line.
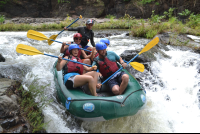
90	78
113	85
119	83
115	89
124	83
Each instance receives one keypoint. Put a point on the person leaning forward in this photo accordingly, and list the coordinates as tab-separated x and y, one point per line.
87	34
106	63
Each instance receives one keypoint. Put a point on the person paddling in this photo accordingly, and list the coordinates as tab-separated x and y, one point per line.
73	72
106	63
87	34
77	40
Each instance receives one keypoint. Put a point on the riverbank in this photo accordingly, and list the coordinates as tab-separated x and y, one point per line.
19	112
147	28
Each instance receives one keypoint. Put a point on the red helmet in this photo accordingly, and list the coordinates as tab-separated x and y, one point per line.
77	35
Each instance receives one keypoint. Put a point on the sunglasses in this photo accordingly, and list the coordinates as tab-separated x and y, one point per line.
78	38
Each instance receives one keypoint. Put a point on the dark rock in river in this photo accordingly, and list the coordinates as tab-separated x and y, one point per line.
2	59
181	41
148	56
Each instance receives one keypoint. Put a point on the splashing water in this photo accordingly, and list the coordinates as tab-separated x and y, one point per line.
171	84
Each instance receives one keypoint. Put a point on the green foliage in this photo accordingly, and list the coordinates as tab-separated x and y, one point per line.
3	2
155	18
2	19
185	13
63	1
157	3
146	1
32	110
169	14
110	16
194	21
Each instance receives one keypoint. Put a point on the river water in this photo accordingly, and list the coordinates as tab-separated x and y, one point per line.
172	86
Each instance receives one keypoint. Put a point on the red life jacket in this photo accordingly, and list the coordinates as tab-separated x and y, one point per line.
66	52
107	67
73	67
97	54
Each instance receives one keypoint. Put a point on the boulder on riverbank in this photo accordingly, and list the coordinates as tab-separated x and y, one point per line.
2	59
182	41
12	118
11	121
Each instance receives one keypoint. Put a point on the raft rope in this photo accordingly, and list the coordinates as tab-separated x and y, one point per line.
122	104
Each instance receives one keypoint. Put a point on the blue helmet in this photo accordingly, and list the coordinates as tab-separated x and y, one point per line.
101	46
105	41
73	46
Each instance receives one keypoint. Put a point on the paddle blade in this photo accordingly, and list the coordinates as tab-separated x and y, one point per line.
24	49
80	17
53	37
137	66
150	45
36	35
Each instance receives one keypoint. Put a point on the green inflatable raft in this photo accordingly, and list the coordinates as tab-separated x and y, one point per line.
90	108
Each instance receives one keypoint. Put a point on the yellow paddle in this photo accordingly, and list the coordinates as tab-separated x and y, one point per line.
39	36
146	48
53	37
28	50
137	66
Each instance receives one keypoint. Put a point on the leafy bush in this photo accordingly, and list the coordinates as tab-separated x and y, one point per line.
146	1
110	16
185	13
3	2
2	19
194	20
170	12
156	18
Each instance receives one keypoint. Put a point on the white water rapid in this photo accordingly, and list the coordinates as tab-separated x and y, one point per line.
172	86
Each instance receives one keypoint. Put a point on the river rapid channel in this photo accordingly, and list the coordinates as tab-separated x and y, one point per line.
172	85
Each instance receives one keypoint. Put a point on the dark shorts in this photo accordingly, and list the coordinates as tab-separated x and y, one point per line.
70	82
115	80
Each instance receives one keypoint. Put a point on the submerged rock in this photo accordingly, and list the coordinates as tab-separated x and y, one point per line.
148	56
181	41
2	59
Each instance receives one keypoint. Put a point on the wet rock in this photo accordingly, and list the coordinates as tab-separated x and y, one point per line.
147	56
6	124
182	42
1	129
103	35
29	20
4	85
2	59
1	76
8	107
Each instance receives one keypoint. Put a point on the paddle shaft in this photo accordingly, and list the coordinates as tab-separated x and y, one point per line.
68	45
120	69
69	25
68	60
